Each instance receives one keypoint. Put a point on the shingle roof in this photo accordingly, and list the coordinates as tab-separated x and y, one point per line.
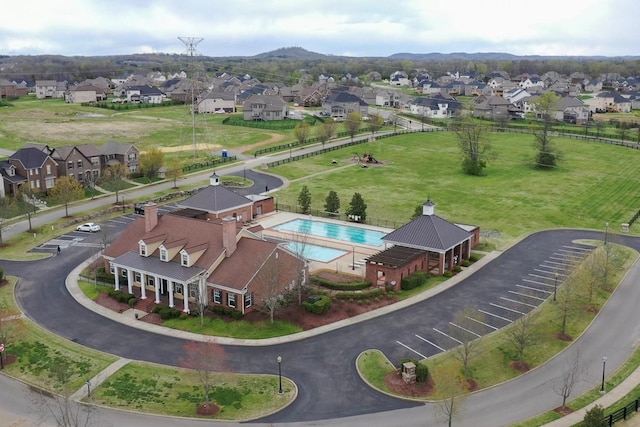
429	232
171	270
30	157
344	97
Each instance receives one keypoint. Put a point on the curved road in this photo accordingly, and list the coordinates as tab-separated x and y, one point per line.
323	366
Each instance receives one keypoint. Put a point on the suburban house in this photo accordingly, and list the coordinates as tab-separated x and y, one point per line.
265	108
434	107
493	108
399	78
428	243
46	89
113	152
216	102
29	166
79	161
12	89
84	93
144	94
217	201
571	110
340	104
184	259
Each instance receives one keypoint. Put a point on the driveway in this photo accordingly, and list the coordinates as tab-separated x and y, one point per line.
323	366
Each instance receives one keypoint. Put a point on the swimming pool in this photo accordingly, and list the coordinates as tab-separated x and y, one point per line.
315	252
333	231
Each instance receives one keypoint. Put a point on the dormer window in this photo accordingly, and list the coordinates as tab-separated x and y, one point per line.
164	254
184	259
143	249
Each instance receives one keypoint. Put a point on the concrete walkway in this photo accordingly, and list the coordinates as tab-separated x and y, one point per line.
98	379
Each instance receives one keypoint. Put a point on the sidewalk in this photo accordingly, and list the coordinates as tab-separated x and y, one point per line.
98	379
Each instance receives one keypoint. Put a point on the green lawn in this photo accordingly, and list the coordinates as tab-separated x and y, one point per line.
593	184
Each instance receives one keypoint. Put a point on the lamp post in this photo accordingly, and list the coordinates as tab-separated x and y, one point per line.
606	232
555	288
290	151
353	258
88	388
604	363
279	359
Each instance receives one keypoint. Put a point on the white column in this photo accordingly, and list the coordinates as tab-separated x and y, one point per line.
171	293
130	280
156	282
185	290
116	273
143	285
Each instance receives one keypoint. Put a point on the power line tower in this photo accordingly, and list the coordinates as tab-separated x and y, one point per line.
191	43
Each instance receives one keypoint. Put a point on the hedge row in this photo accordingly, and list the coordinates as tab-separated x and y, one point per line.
360	295
414	280
122	296
227	311
318	304
339	286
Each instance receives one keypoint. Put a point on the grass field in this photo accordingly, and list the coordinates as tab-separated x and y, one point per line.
593	184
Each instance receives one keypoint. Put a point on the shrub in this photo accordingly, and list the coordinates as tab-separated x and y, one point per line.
447	274
465	263
358	296
458	269
422	370
339	286
317	304
474	257
227	311
167	312
414	280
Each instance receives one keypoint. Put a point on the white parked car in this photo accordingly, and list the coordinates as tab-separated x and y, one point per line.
91	227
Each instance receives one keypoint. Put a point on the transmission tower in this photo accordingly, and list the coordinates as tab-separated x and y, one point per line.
191	43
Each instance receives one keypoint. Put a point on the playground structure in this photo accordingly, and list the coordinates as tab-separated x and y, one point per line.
366	158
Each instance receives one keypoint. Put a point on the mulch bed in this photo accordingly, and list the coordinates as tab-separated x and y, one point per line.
395	383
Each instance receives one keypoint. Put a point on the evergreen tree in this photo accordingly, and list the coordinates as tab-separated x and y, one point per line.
332	202
357	209
304	199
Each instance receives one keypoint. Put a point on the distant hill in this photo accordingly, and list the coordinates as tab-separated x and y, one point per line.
291	53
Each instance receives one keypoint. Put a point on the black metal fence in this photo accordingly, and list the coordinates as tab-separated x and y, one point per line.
204	165
377	222
635	217
623	413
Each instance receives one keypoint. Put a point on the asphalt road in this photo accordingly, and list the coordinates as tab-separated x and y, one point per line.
323	366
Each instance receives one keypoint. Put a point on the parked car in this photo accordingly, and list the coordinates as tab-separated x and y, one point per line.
90	227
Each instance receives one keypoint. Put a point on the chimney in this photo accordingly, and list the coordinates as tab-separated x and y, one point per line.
229	235
150	216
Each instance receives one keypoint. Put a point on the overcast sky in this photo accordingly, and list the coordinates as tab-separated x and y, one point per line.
332	27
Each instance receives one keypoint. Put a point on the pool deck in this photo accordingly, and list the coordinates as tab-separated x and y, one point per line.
343	264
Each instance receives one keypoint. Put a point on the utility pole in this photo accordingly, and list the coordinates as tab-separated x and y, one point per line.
191	43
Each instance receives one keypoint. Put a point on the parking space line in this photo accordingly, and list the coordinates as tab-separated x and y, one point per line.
447	335
536	282
429	342
495	315
117	222
465	329
530	296
578	248
543	277
409	348
518	302
563	264
483	323
506	308
545	271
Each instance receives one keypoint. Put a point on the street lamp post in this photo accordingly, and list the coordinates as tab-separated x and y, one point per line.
604	363
290	145
555	288
88	388
606	232
279	359
353	258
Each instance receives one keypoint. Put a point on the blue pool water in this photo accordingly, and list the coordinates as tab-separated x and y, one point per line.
315	252
333	231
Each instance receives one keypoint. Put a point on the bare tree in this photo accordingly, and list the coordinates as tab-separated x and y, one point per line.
521	335
206	358
269	285
475	148
461	330
175	172
300	247
352	123
26	199
574	371
202	301
301	132
115	175
453	390
375	122
327	130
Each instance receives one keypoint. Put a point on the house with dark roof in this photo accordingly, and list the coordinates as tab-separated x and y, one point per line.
217	201
113	152
340	104
79	161
435	107
144	94
216	102
428	243
29	166
182	260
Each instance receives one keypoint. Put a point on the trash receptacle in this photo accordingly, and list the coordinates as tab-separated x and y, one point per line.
224	153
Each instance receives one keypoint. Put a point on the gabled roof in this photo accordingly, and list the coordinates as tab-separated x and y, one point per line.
115	147
428	232
30	157
271	102
345	97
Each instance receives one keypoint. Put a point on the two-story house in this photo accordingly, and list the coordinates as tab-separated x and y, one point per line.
46	89
144	94
340	104
114	152
84	93
265	107
34	168
216	102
